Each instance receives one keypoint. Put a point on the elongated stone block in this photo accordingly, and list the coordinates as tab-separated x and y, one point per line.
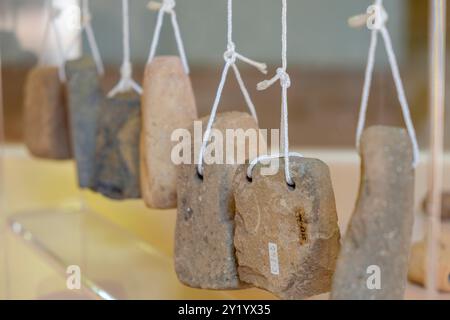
84	99
204	250
168	104
45	115
418	262
287	240
373	263
116	173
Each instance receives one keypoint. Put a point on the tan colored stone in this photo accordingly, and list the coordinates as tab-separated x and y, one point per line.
379	233
204	251
45	115
417	262
300	222
168	104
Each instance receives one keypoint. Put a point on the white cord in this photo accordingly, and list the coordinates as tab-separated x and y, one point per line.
53	14
126	82
377	23
230	56
285	82
167	6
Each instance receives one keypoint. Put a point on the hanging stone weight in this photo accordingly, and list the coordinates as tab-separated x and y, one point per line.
45	115
287	240
85	98
117	152
168	104
204	250
373	262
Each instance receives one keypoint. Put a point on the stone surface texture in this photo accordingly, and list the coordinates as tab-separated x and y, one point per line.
85	96
300	222
168	104
46	129
204	250
379	233
117	170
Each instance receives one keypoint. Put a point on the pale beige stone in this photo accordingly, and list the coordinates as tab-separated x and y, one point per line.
417	262
46	126
168	104
300	222
204	251
379	234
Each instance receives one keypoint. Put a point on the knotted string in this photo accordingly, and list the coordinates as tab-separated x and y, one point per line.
126	82
53	13
167	6
376	21
86	26
285	81
231	57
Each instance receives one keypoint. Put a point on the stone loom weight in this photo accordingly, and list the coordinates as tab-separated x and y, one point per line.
168	103
84	99
116	173
204	250
379	233
287	241
45	114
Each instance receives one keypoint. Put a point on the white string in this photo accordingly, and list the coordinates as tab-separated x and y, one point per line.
53	13
126	82
285	82
167	6
230	56
377	23
86	27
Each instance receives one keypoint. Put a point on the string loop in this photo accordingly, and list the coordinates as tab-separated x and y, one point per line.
167	7
53	14
126	82
285	82
376	21
231	57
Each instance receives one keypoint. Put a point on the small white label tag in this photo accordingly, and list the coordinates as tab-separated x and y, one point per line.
273	258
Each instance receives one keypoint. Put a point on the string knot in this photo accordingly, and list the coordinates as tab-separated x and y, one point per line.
285	80
230	55
166	6
376	17
126	70
281	75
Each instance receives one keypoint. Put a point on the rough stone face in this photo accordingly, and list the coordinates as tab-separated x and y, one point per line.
445	211
204	251
168	103
287	240
379	233
116	173
45	115
417	262
84	99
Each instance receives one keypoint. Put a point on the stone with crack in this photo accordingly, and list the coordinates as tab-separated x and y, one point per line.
287	239
373	262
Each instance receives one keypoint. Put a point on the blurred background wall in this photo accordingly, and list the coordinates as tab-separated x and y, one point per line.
326	58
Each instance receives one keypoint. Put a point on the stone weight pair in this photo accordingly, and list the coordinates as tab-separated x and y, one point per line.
225	225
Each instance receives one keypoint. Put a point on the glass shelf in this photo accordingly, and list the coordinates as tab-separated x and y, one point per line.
114	264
